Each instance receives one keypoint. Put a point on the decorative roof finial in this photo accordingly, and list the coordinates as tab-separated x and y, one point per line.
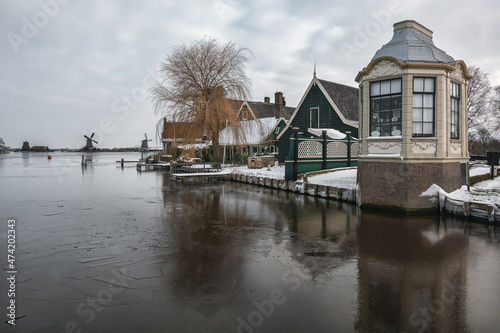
314	74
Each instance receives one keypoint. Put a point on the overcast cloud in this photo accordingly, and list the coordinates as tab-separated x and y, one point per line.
72	67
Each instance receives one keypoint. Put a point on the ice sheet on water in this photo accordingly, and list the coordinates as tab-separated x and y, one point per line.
83	261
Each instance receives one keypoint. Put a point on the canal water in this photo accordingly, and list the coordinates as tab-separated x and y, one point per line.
106	249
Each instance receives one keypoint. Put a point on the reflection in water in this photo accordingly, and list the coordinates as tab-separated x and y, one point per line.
412	274
209	231
26	159
325	234
401	274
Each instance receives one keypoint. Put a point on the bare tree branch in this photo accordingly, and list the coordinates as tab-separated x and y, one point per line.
477	97
495	104
198	81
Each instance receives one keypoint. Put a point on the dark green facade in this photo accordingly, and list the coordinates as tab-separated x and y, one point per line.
273	137
307	159
328	118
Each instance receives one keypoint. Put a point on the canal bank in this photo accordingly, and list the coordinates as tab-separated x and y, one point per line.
480	202
301	186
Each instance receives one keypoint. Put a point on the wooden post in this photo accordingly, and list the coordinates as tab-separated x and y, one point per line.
296	153
122	163
324	149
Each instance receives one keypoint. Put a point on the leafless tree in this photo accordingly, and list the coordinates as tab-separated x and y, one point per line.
198	83
483	136
477	96
495	104
2	143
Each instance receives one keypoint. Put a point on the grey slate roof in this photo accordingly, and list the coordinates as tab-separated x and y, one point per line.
264	110
411	45
345	97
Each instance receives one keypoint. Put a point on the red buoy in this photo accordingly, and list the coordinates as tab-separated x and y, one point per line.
49	157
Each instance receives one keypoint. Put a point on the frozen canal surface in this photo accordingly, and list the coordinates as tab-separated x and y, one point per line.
109	250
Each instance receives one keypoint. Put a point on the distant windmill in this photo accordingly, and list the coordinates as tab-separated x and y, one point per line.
144	144
89	144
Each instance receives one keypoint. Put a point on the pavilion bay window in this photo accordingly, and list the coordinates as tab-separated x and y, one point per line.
385	108
454	110
423	106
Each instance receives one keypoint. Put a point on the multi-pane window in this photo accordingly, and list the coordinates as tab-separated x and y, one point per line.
314	117
423	106
454	110
385	108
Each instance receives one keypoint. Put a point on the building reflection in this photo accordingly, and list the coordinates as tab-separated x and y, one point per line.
412	274
325	234
215	229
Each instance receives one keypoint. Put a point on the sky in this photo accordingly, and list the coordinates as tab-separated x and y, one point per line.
70	68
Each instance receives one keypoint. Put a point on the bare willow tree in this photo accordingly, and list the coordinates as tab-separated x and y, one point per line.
197	85
477	96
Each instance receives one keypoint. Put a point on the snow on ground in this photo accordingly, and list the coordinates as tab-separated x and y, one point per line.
276	172
340	178
486	192
432	191
479	170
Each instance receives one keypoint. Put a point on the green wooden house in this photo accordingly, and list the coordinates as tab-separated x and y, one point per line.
325	105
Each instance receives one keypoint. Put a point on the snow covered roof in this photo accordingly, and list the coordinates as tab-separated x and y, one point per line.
251	132
195	146
330	132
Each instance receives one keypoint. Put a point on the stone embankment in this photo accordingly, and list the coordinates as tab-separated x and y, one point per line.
323	191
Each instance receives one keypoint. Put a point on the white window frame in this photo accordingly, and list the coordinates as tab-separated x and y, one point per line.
455	97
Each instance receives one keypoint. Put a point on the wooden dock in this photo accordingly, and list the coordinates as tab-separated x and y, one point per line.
209	177
141	166
207	167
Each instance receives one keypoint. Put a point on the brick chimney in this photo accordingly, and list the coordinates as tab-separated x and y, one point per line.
278	104
267	100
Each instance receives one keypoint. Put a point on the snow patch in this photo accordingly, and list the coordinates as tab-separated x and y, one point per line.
479	171
250	132
330	132
432	191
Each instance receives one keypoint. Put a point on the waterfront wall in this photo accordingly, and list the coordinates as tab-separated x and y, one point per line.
397	186
328	192
446	205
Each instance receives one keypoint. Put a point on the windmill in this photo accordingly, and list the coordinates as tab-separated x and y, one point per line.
89	145
144	146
